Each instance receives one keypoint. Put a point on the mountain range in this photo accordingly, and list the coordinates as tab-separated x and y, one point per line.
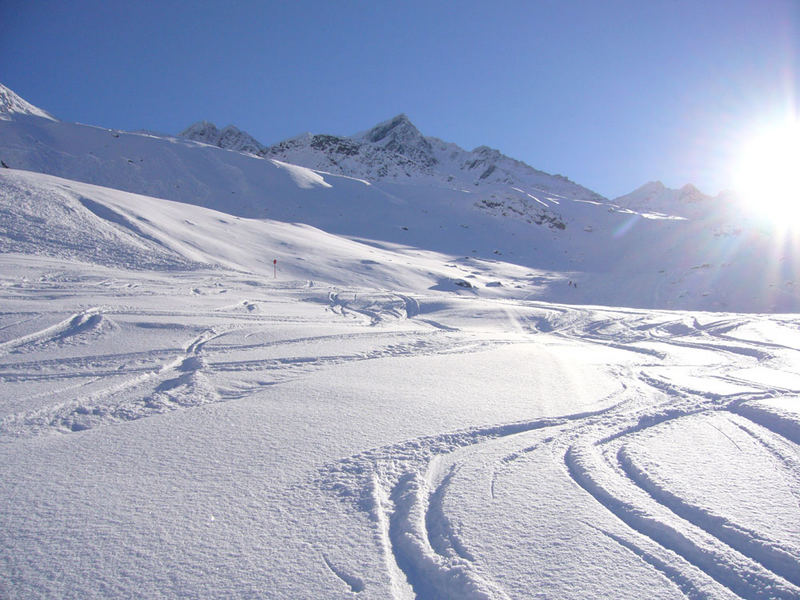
391	187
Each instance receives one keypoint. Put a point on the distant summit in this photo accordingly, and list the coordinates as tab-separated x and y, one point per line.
655	197
11	104
392	186
400	136
395	151
230	138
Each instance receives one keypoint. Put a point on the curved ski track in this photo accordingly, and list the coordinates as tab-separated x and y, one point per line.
162	379
706	555
403	488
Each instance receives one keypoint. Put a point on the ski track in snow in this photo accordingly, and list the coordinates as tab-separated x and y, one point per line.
403	488
126	319
704	554
180	377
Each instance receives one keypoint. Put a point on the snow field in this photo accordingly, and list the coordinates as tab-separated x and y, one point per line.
214	433
419	402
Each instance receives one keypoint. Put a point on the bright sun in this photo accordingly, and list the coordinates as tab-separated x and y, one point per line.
768	173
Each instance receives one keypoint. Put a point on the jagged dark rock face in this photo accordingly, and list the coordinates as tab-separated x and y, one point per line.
335	145
396	151
399	135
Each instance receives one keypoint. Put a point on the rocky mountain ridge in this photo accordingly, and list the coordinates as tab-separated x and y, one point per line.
395	150
477	208
231	138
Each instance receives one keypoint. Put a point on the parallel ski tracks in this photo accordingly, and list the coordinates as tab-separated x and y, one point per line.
159	380
403	487
705	555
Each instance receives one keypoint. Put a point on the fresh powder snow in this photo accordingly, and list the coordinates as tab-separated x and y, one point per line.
229	375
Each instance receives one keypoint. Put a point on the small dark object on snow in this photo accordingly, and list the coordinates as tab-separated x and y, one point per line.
5	166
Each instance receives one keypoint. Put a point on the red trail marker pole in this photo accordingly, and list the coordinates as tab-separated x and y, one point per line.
275	267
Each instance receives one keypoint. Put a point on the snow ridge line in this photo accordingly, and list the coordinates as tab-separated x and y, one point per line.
350	478
442	536
684	583
419	544
752	568
420	541
356	584
776	423
379	512
376	307
90	318
191	387
431	574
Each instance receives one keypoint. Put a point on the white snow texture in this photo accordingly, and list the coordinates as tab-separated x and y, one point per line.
382	366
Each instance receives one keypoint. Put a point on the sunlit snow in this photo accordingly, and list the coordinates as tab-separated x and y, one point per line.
204	403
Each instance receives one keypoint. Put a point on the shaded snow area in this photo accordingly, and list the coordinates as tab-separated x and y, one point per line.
180	419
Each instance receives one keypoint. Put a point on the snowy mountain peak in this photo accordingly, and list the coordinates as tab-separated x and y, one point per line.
230	138
689	190
487	152
397	127
395	150
12	104
654	196
399	135
651	187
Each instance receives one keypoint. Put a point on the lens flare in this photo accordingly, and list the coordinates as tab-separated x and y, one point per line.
768	173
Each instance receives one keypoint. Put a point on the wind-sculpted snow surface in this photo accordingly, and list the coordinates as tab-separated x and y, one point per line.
219	434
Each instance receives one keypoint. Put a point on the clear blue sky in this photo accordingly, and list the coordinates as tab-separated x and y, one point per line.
610	93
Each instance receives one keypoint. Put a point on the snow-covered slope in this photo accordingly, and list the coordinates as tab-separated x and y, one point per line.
476	204
196	403
49	216
13	105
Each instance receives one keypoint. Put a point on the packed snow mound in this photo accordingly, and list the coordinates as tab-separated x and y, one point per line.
12	104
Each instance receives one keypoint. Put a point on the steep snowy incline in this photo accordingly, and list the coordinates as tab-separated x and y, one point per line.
13	105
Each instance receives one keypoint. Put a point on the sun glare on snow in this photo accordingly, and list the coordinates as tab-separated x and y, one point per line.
768	173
